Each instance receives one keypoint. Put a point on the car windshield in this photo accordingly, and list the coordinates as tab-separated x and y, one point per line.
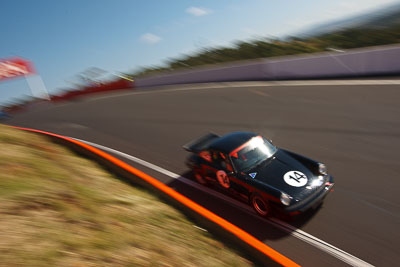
252	153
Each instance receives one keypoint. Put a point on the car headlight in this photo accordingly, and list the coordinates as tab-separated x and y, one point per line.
285	199
322	169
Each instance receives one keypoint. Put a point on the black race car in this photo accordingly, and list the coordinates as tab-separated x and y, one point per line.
247	166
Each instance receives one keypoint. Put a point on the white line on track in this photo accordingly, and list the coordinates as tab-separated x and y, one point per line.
220	85
287	228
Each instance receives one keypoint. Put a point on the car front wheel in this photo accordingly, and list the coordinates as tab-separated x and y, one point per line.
260	205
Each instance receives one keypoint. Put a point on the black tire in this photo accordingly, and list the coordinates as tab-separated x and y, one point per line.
260	205
199	177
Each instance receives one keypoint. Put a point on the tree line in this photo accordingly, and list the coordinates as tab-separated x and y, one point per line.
264	48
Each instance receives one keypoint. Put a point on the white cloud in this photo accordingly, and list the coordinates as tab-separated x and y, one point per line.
198	11
150	38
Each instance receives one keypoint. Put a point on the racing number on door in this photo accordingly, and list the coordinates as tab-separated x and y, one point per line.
223	179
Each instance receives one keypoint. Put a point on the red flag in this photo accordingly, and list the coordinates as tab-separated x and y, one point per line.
15	67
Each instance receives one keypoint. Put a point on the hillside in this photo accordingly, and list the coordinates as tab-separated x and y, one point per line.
58	209
370	30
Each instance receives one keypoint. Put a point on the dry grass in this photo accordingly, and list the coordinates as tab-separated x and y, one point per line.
59	209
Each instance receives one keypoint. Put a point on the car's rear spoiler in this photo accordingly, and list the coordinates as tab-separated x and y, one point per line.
201	143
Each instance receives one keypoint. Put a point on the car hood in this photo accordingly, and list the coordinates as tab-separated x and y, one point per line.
287	174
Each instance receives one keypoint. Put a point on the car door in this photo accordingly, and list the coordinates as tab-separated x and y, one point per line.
216	169
227	178
239	183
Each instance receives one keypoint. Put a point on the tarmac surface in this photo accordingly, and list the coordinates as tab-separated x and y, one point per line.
354	129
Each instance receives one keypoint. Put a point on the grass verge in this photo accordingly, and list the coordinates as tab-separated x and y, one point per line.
57	208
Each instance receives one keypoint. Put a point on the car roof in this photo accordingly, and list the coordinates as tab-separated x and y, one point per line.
229	142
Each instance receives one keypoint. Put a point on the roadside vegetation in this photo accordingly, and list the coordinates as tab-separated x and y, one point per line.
382	31
59	209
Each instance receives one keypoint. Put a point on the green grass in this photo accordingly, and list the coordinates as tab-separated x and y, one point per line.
57	208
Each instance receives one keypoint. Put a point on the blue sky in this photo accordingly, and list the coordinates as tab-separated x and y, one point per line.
63	38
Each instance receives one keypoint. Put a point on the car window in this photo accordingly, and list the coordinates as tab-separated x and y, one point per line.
205	155
219	159
251	153
228	165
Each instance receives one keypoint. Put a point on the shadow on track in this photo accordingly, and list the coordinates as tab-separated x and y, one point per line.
245	219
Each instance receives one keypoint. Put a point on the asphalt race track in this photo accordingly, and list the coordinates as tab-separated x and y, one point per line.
354	129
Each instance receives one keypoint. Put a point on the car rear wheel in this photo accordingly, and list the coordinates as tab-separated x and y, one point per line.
260	205
199	178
